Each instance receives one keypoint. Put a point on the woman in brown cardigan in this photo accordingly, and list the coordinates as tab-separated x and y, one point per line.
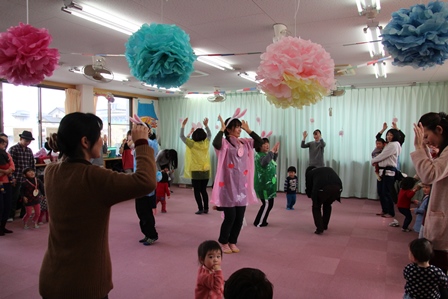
77	262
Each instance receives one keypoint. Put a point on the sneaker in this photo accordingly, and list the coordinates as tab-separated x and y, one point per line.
394	224
199	212
226	249
318	232
149	241
292	209
26	227
387	216
40	223
143	240
233	248
405	230
10	220
36	225
288	209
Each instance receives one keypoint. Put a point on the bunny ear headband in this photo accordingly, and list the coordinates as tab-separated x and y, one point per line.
264	135
237	114
196	126
137	120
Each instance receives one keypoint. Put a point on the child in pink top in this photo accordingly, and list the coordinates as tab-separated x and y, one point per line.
210	282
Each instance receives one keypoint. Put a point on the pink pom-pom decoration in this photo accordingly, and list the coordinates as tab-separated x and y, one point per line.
394	119
311	120
25	58
295	73
217	127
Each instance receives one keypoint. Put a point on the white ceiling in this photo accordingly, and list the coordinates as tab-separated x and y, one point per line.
217	26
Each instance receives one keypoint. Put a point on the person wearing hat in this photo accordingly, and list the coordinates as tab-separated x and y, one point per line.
23	158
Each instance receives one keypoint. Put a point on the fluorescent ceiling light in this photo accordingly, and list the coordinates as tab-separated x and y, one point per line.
161	88
213	61
100	17
368	8
251	76
115	77
373	32
380	70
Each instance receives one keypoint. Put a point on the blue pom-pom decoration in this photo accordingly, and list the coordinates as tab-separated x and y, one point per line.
418	36
161	55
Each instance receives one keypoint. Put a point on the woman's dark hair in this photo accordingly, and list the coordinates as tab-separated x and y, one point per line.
258	148
164	177
206	246
421	249
199	135
72	128
248	283
408	183
395	133
231	125
431	120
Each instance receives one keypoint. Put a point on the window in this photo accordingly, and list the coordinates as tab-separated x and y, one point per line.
115	117
26	107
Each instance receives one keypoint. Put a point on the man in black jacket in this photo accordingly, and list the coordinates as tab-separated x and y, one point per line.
323	186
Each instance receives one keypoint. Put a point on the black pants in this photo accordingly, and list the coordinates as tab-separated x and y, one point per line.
200	193
15	202
388	194
263	212
5	202
231	225
143	207
408	217
322	202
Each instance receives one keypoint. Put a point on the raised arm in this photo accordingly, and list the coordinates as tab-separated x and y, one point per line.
217	142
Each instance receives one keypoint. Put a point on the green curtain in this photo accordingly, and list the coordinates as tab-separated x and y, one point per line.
356	117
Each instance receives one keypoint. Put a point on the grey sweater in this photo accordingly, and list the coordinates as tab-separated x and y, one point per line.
316	150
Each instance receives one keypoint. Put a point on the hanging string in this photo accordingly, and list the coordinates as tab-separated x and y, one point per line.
295	18
27	13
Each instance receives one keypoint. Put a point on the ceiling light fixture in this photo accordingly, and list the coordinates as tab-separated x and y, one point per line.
280	31
161	88
380	70
368	8
99	17
115	77
213	61
251	76
373	31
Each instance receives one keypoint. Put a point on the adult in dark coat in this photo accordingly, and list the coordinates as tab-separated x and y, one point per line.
323	186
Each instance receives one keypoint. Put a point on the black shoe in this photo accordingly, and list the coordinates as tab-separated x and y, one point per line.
199	212
206	211
325	227
143	240
7	231
318	232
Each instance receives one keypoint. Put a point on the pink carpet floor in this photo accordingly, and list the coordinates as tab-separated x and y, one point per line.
360	256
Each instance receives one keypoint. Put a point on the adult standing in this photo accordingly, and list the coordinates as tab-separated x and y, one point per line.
23	158
316	148
387	161
197	162
432	130
323	186
233	187
5	197
77	262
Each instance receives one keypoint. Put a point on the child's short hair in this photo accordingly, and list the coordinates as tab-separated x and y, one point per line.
292	168
381	140
407	183
317	131
248	283
164	177
206	246
28	169
421	249
199	135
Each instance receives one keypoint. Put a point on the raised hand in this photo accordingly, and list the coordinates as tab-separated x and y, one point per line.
419	140
139	132
384	126
184	122
276	148
223	125
245	126
305	134
205	122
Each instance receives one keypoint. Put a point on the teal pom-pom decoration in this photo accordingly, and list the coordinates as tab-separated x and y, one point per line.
418	36
161	55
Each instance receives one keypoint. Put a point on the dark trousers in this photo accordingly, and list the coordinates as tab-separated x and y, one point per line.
290	200
231	225
408	217
322	202
143	207
263	213
388	194
440	260
5	202
15	203
200	193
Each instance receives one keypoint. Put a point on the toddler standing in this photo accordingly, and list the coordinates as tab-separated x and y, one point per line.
420	211
32	190
290	187
210	282
422	279
162	191
407	191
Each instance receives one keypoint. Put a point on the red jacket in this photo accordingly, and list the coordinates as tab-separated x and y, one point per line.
162	189
404	198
